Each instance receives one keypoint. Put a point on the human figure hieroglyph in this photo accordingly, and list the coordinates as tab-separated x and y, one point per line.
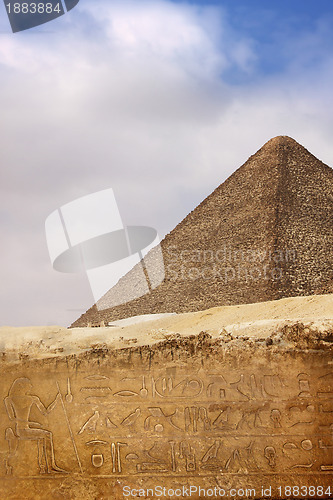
18	404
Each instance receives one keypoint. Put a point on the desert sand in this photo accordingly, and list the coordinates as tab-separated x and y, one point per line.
256	321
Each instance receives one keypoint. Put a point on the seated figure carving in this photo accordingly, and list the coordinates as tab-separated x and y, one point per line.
19	403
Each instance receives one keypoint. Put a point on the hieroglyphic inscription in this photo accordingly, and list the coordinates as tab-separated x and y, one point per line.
172	422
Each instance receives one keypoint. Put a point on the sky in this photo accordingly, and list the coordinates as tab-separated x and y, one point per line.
160	100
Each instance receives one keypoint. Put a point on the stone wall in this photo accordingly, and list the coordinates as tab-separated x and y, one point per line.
194	412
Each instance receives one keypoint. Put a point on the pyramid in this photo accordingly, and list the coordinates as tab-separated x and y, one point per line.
265	233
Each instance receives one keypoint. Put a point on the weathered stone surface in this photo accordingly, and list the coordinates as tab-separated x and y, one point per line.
264	234
225	400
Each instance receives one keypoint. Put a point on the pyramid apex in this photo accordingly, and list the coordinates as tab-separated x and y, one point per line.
281	140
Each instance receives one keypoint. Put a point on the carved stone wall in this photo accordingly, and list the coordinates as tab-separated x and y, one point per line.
186	412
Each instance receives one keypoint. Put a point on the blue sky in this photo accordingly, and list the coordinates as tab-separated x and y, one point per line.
160	100
276	28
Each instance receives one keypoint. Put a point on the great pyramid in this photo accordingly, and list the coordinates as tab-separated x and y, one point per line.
263	234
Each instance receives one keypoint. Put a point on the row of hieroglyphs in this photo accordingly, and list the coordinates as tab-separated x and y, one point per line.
224	454
211	387
250	418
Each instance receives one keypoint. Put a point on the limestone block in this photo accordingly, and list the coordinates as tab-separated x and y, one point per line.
247	411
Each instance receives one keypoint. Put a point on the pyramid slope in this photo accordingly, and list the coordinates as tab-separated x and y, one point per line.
264	234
